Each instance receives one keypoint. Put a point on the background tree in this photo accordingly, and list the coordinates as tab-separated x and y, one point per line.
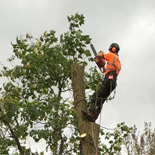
36	100
142	144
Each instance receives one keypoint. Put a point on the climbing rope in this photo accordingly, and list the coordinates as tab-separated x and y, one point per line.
108	128
96	98
100	114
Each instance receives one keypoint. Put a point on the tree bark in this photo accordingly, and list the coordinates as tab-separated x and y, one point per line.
91	130
16	139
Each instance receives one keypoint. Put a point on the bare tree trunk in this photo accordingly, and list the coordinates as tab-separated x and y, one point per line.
90	141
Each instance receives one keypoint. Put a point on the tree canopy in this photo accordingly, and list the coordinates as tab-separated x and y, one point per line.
32	101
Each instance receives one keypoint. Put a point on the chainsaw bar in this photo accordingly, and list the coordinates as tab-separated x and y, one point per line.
93	49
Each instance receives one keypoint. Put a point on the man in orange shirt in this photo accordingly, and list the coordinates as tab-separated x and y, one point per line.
112	70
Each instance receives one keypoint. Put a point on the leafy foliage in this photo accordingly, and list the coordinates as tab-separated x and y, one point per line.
114	139
34	95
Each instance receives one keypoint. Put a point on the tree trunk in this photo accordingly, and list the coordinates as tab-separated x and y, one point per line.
89	129
16	139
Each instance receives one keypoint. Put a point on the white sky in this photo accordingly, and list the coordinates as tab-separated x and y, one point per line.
129	23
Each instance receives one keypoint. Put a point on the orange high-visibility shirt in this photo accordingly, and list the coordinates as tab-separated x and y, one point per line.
113	63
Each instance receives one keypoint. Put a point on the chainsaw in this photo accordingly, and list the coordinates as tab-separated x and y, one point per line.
99	61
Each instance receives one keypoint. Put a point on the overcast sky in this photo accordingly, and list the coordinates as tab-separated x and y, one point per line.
130	23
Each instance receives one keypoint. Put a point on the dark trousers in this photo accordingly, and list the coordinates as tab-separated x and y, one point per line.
99	97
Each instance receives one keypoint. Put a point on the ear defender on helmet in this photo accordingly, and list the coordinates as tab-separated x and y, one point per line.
114	47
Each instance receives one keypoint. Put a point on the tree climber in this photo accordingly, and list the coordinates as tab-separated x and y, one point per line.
111	72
